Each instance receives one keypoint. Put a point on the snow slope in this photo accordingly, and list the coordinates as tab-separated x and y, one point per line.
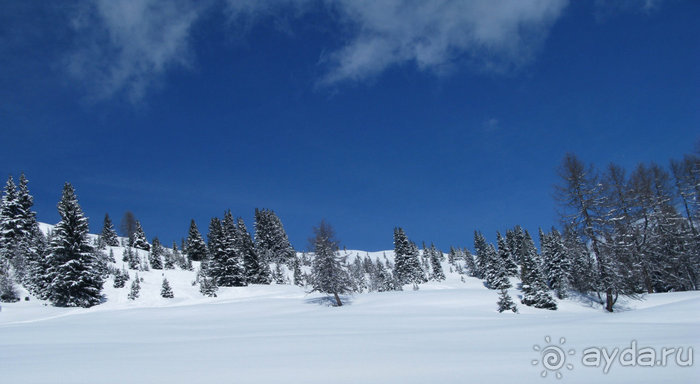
446	332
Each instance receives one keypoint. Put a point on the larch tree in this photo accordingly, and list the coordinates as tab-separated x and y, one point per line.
580	196
329	274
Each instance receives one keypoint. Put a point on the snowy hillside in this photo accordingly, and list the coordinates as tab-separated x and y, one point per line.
445	332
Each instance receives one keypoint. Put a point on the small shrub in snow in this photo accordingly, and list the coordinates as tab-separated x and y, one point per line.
505	303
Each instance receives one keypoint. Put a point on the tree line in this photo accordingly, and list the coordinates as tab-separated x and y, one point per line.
621	234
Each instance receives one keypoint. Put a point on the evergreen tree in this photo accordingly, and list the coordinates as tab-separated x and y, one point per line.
139	238
557	264
506	256
357	273
257	271
155	257
505	303
135	288
499	278
535	291
382	279
12	232
470	263
407	268
37	267
120	278
278	275
168	260
22	245
207	283
494	271
111	258
453	255
481	261
165	290
515	242
271	240
437	272
74	270
328	271
298	276
196	248
131	256
182	261
8	291
227	261
109	235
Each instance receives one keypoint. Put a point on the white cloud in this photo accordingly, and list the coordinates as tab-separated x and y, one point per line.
123	45
436	34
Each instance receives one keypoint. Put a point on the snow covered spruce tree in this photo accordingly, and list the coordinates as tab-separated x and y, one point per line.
166	291
469	263
481	259
109	235
328	272
155	257
407	268
506	256
139	238
11	239
135	290
497	277
437	273
271	242
120	278
196	248
494	268
33	246
535	291
226	262
257	271
16	221
557	266
8	288
74	269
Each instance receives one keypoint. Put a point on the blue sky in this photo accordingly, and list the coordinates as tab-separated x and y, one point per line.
441	117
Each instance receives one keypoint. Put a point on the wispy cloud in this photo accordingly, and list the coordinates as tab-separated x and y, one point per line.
491	124
604	10
124	45
434	35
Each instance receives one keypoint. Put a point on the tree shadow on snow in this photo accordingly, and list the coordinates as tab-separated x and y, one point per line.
329	301
591	300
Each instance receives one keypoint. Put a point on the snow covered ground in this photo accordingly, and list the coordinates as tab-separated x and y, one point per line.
445	332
